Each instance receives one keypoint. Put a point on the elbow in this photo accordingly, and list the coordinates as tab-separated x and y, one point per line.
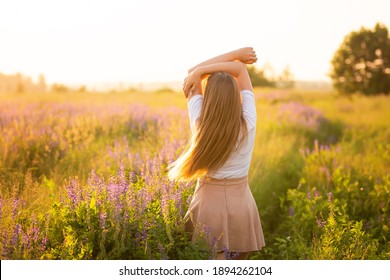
241	65
241	68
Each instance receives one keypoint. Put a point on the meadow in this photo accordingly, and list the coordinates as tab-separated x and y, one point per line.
83	176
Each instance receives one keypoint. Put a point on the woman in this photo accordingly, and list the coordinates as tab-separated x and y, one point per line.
223	124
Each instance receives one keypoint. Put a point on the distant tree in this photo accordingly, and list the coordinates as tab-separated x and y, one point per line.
59	88
131	89
165	90
82	89
286	79
20	87
259	78
41	83
362	62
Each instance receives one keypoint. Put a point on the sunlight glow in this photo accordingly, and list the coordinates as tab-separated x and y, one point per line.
84	42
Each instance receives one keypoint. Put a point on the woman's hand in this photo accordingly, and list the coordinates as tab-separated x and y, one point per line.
192	84
246	55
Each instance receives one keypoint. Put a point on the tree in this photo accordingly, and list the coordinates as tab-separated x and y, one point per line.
59	88
41	83
259	78
286	79
82	89
362	62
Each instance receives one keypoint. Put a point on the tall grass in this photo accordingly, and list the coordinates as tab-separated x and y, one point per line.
83	176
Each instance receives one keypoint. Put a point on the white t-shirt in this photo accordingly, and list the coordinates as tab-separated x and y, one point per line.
237	165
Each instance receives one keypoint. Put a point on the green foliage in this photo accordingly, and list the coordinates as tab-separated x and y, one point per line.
286	79
89	224
259	78
343	239
263	77
362	63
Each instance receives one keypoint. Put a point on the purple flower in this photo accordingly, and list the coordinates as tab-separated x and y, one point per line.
207	231
44	243
234	255
324	169
34	231
301	115
16	235
15	206
291	211
102	219
144	234
1	208
330	197
161	249
113	192
226	253
177	198
213	245
73	190
26	240
95	181
122	182
320	223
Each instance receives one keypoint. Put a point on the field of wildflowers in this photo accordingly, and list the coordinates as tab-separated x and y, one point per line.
83	176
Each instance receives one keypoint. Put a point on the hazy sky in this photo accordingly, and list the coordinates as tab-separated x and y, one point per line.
87	42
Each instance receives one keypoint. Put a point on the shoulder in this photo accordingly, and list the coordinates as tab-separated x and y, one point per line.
195	103
247	92
249	108
194	100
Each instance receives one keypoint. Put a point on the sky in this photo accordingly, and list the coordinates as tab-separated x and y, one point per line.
141	41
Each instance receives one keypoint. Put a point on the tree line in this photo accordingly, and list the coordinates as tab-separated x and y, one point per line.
361	64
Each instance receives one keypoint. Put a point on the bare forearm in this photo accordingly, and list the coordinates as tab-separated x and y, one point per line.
226	57
234	68
232	62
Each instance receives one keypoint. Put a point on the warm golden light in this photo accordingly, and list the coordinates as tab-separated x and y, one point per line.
78	42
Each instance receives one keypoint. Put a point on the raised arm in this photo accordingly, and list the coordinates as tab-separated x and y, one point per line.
245	55
235	68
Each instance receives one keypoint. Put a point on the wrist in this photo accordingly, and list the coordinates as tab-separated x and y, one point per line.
235	55
199	72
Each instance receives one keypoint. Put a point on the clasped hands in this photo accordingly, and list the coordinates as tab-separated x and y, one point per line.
193	82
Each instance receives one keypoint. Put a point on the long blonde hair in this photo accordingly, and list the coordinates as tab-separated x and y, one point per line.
218	129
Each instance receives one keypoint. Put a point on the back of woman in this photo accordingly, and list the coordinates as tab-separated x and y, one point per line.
223	124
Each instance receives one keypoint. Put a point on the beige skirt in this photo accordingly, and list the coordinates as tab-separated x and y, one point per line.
225	212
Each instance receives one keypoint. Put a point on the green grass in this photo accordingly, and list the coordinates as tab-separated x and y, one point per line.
319	174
